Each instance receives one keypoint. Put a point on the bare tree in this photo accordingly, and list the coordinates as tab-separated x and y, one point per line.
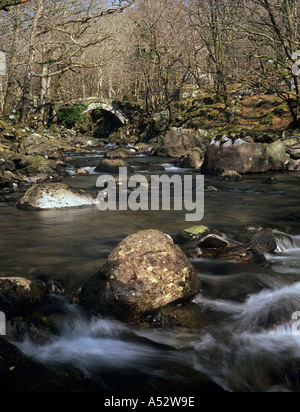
273	29
160	43
59	35
215	23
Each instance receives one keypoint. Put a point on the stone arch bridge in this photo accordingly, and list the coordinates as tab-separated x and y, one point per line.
106	105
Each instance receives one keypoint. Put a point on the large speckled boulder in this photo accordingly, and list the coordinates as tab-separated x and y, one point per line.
54	196
146	272
17	294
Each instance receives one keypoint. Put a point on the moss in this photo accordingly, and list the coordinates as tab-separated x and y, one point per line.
269	119
276	152
281	110
73	115
34	164
194	233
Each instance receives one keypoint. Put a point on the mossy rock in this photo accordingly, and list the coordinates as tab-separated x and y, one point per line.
33	164
194	233
276	154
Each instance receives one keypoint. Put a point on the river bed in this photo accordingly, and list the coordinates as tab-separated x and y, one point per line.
245	340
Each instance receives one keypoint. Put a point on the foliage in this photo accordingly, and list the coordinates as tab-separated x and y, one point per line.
73	115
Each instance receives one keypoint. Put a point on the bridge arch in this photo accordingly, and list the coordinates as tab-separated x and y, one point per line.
108	107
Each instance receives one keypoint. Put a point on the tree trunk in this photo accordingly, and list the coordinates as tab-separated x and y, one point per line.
45	86
25	102
11	71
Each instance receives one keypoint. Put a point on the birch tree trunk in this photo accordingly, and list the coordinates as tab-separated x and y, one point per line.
11	66
25	102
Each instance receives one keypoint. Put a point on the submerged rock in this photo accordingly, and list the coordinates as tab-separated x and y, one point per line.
144	273
54	195
18	294
270	181
187	316
156	168
231	176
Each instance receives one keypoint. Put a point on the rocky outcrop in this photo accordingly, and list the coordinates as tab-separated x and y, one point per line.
54	196
243	157
143	274
17	294
201	241
177	142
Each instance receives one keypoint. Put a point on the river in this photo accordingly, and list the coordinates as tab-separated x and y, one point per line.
244	341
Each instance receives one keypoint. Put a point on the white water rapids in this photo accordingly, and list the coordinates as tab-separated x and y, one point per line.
251	348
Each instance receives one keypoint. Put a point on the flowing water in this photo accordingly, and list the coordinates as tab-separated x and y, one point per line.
244	340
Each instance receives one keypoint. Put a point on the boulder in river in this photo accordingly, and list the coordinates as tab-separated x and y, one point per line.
54	196
193	160
194	233
213	241
143	274
177	142
18	294
113	166
231	176
119	154
241	254
243	157
264	242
